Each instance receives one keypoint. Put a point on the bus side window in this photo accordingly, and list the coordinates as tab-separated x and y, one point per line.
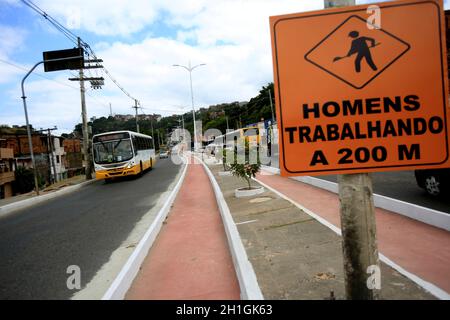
135	145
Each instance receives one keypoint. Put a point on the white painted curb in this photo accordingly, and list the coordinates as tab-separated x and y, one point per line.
239	193
431	288
248	282
22	204
124	279
429	216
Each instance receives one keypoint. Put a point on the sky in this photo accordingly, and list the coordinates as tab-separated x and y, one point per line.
139	42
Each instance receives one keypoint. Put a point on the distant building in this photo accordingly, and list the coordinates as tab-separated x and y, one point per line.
217	114
73	156
59	159
53	161
126	117
7	168
21	150
150	117
123	117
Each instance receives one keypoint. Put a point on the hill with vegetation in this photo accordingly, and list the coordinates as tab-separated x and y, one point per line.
238	115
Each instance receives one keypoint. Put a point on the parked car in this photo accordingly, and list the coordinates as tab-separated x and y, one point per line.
435	181
163	154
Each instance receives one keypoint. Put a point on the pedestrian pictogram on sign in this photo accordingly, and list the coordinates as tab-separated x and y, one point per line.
353	98
355	54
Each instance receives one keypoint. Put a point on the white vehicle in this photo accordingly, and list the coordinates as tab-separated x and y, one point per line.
163	154
122	153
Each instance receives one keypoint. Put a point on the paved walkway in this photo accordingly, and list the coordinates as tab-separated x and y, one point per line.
417	247
51	188
190	259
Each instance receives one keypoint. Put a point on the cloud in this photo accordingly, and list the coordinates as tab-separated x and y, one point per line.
103	17
11	39
231	37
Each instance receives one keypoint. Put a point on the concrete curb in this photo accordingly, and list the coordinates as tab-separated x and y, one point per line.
429	216
124	279
248	282
22	204
431	288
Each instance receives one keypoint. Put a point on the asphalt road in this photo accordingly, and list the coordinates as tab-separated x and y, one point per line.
82	228
400	185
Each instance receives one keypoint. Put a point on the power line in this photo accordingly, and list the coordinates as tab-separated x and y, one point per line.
118	85
106	105
48	78
37	73
74	38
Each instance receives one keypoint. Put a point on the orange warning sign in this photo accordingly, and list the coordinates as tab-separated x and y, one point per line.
354	97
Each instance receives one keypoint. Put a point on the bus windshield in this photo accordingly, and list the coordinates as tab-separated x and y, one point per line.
112	151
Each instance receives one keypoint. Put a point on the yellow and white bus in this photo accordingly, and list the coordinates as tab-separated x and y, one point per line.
122	153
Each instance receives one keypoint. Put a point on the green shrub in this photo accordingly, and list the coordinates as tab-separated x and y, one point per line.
24	180
245	170
224	159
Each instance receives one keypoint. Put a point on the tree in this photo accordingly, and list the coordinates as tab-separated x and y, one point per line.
215	116
246	170
24	180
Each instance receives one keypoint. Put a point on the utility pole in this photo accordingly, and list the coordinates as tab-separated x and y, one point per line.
271	106
110	110
157	137
153	135
87	160
96	83
226	118
358	225
50	150
136	109
182	121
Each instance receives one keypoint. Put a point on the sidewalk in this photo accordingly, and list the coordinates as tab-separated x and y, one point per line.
51	188
296	257
190	259
417	247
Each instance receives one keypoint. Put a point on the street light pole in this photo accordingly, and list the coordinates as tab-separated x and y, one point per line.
190	69
30	141
24	98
